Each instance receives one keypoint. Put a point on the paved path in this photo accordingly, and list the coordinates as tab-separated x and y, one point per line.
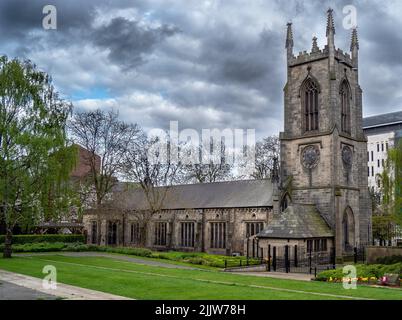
113	256
63	291
278	275
11	291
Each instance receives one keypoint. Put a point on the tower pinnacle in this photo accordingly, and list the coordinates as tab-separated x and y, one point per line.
315	46
289	36
355	40
330	22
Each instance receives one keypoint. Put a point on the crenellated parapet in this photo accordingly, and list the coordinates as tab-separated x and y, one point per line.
306	57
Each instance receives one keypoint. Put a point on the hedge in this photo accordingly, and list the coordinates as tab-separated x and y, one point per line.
48	238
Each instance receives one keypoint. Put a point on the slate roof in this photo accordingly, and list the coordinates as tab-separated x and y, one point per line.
298	221
231	194
382	119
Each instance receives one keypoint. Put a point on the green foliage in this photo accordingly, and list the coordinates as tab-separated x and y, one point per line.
363	271
49	238
205	259
35	160
388	203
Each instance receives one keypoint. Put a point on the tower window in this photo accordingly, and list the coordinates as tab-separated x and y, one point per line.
309	95
345	107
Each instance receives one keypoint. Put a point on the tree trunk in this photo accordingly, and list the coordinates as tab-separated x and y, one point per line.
7	244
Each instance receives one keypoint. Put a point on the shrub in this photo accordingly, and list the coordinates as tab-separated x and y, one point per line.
48	238
363	271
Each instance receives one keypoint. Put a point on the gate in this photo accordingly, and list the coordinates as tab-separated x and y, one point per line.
297	259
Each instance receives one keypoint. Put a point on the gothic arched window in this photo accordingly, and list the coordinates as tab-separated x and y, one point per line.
309	95
345	106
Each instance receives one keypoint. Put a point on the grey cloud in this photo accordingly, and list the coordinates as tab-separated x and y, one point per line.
228	58
129	42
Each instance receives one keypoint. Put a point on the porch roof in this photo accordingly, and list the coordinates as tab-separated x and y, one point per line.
298	221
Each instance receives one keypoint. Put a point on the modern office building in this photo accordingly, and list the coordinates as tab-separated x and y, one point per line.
383	132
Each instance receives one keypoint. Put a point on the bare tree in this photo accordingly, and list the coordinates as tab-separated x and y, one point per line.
149	164
106	140
266	157
209	165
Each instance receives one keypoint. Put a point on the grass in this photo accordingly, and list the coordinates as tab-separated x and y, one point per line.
150	282
196	258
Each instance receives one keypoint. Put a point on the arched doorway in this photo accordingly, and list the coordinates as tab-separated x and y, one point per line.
348	228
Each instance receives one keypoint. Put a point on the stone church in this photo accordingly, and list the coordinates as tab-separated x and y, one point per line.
320	201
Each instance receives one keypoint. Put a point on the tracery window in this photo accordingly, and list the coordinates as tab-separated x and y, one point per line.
309	96
345	107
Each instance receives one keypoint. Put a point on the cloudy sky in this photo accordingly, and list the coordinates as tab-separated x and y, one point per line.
206	64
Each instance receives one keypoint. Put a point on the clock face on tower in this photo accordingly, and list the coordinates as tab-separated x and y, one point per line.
347	156
310	156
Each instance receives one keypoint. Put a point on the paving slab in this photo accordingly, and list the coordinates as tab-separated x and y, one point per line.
113	256
63	291
278	275
11	291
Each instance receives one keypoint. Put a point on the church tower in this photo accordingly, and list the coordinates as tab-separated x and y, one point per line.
323	148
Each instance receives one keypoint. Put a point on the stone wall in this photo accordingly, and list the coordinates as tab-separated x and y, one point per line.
373	253
235	220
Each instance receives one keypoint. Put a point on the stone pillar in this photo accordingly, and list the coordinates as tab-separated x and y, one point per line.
338	227
103	231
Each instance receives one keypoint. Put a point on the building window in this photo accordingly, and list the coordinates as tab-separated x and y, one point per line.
253	228
368	171
160	233
372	155
309	96
378	163
317	245
94	232
378	147
218	235
187	234
382	147
386	146
372	171
345	105
112	233
135	234
324	245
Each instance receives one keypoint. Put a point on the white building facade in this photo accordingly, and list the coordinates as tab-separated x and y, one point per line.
383	132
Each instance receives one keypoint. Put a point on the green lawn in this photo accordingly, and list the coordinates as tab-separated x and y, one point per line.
149	282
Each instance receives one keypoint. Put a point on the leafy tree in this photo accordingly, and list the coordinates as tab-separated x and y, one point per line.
388	201
35	160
